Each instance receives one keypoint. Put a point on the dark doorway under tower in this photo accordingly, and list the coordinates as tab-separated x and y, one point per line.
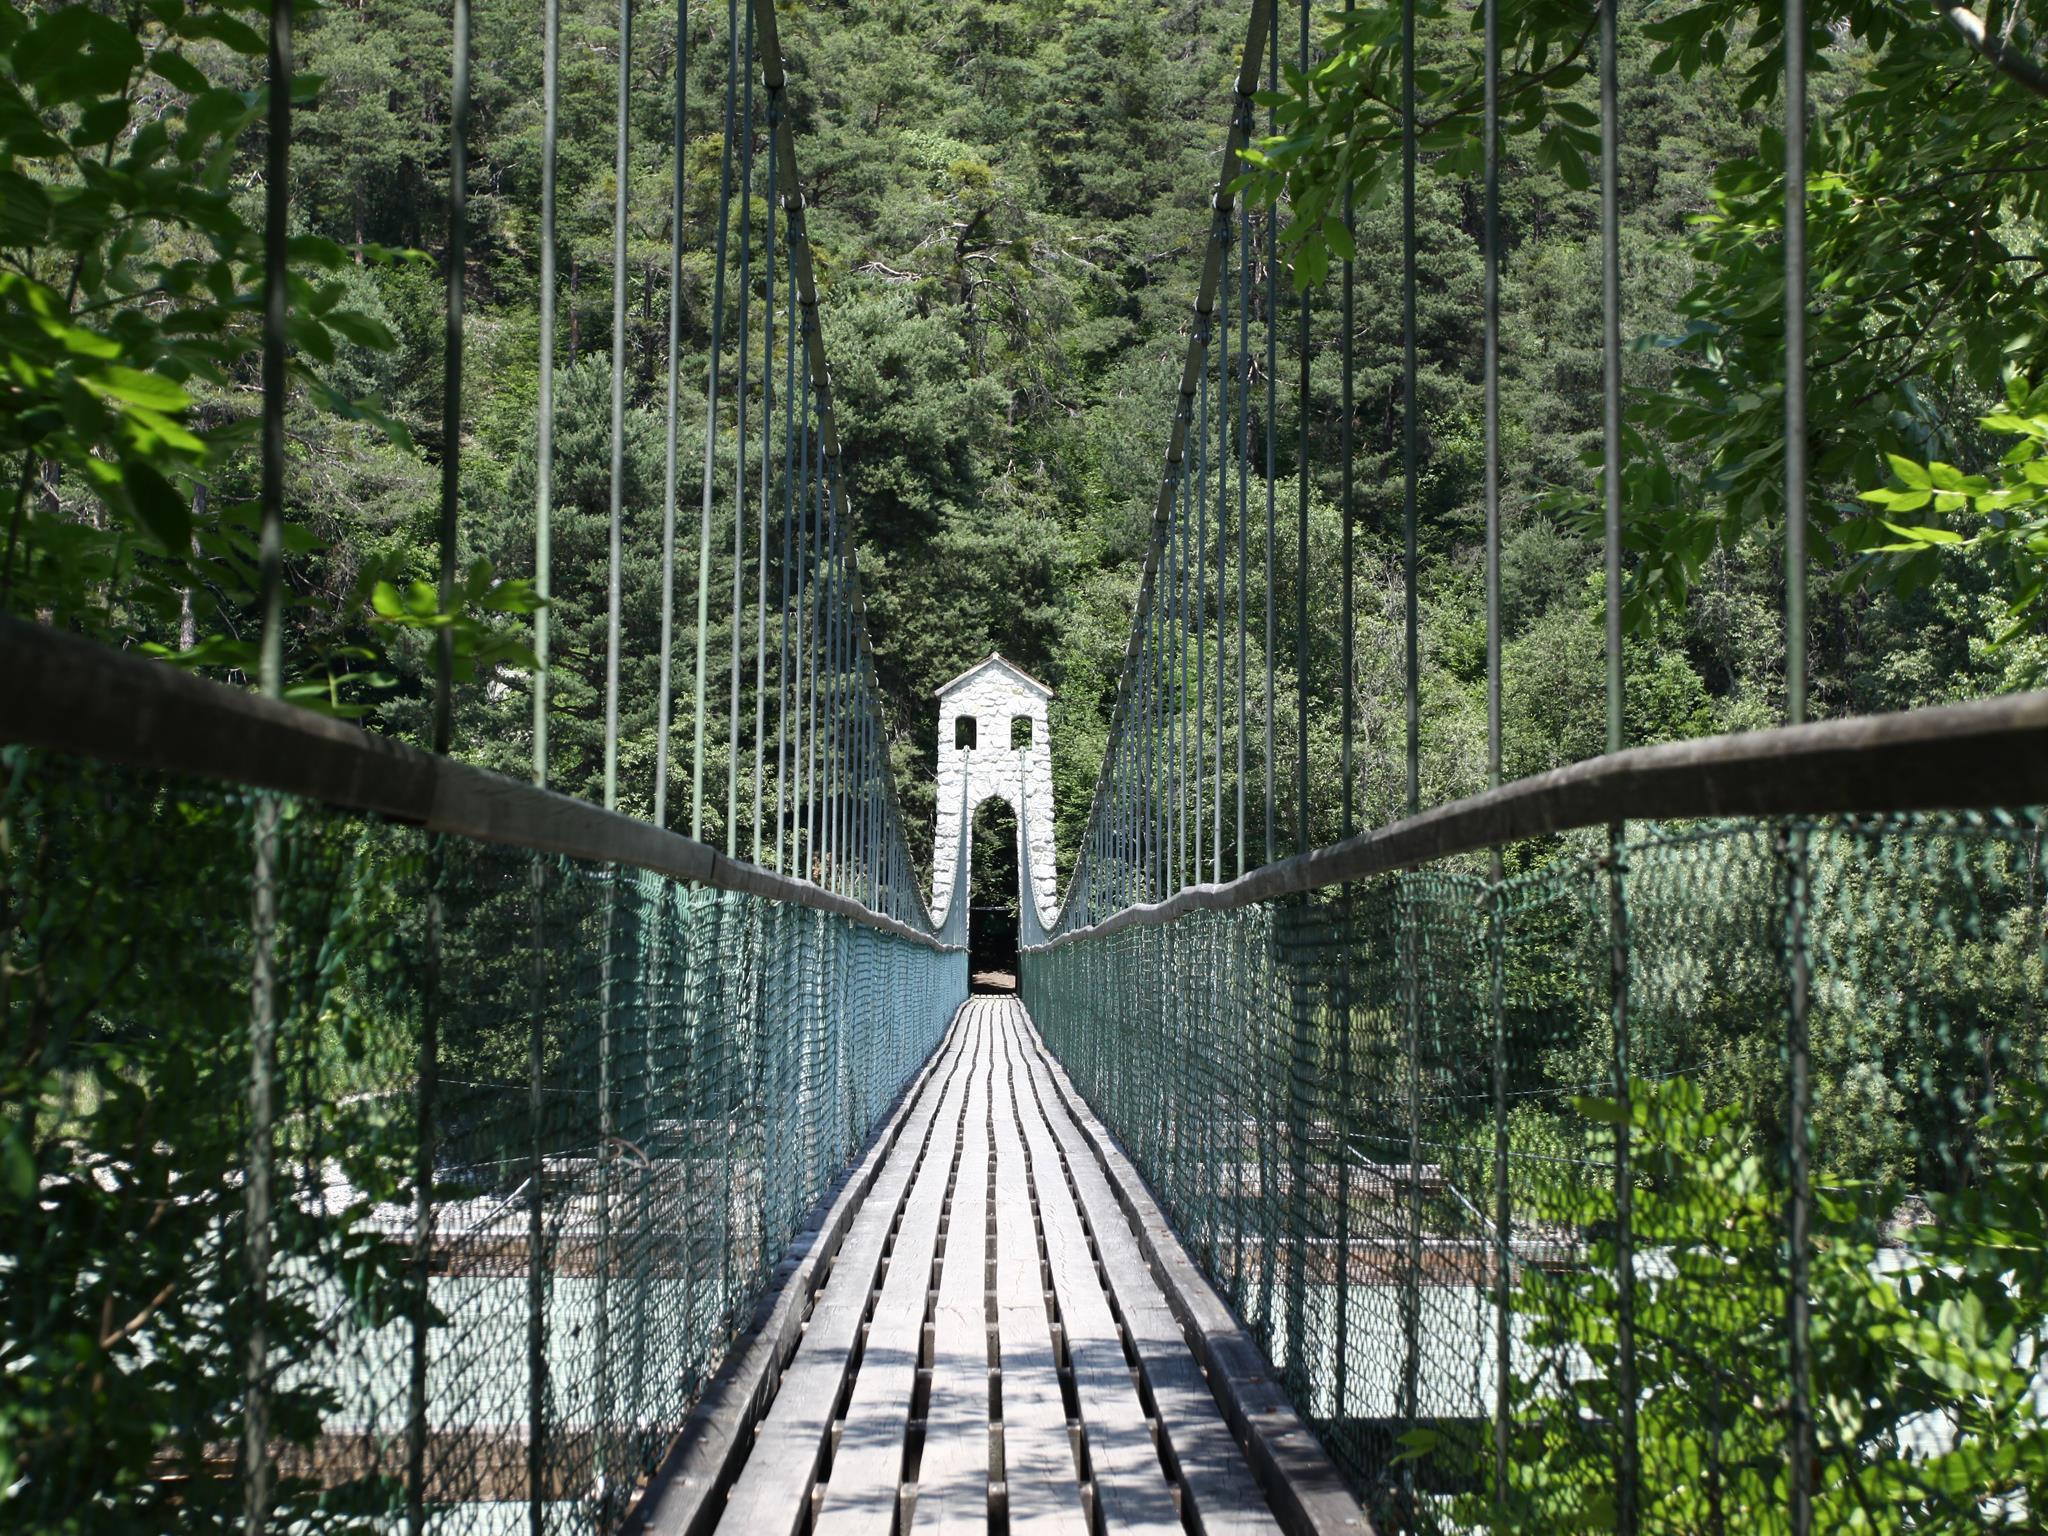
992	898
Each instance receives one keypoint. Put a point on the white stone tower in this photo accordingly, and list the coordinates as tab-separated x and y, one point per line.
994	742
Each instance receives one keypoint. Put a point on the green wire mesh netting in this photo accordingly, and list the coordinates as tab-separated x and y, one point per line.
1389	1120
631	1092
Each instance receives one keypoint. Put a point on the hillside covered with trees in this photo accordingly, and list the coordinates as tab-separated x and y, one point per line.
1008	204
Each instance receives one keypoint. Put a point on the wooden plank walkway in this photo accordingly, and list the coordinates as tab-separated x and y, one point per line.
992	1349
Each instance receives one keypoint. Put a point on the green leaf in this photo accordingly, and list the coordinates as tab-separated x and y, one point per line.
238	35
101	123
178	70
1900	501
1312	265
76	55
1926	536
165	513
215	113
1909	472
363	330
138	388
317	251
2005	421
1604	1111
18	1166
24	211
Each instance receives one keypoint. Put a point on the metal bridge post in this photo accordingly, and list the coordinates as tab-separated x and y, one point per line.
1300	1108
257	1194
1793	850
1408	915
1503	1208
1626	1461
424	1129
262	1154
536	1202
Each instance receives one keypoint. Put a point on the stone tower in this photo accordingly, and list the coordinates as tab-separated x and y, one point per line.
993	741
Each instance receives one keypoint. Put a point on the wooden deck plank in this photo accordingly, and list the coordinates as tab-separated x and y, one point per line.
1130	1484
688	1493
953	1474
862	1491
1042	1489
772	1494
997	1098
1212	1467
1304	1486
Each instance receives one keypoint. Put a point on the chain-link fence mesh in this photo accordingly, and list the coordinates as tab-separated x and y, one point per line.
1416	1130
625	1093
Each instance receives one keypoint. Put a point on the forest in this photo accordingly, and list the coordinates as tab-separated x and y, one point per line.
1007	206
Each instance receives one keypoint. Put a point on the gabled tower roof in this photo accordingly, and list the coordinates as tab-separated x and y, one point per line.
993	659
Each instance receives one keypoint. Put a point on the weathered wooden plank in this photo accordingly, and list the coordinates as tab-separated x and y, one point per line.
772	1495
953	1476
1305	1488
1131	1489
1042	1488
687	1493
860	1495
1214	1474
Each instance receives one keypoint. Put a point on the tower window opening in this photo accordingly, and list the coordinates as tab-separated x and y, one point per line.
1020	732
963	732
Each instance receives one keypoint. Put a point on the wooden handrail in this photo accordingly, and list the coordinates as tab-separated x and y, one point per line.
1975	756
67	694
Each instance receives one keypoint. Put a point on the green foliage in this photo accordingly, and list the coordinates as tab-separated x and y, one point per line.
1925	1341
130	305
2008	506
124	1138
1922	229
134	284
1007	250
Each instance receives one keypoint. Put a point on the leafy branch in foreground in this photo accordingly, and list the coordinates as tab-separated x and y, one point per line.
2009	503
131	288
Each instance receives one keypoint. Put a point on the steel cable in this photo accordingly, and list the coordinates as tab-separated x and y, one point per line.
1243	456
622	178
761	530
739	462
664	687
732	68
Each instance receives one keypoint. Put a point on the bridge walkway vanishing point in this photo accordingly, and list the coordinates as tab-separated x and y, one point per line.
989	1348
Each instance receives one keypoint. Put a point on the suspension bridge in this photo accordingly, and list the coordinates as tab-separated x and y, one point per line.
601	1174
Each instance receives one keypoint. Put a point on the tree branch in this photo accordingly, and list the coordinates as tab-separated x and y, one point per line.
2010	62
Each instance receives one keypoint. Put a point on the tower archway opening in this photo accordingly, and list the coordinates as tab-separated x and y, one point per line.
992	898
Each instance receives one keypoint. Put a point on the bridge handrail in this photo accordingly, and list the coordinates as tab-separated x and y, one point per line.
1980	755
64	693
